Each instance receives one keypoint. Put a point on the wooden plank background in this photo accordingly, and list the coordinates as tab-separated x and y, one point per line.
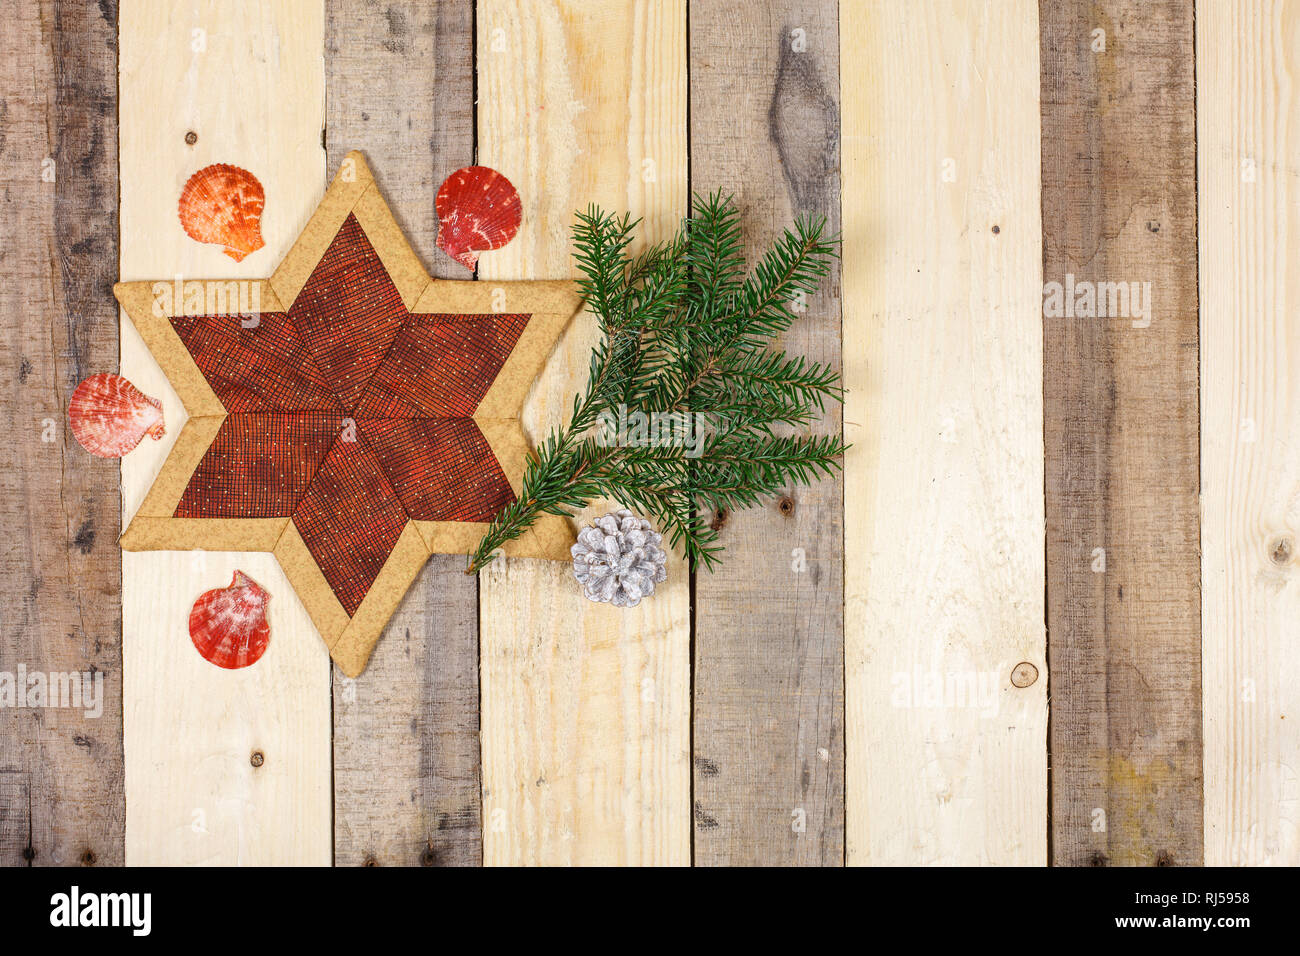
1248	149
246	78
61	798
1121	426
943	534
585	708
400	85
865	679
769	624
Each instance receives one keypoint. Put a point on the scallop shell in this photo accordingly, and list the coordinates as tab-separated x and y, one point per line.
228	625
478	209
109	415
222	204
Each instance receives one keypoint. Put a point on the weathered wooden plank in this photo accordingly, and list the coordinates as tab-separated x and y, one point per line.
943	567
769	624
1248	151
400	86
585	708
246	78
15	818
1123	592
60	569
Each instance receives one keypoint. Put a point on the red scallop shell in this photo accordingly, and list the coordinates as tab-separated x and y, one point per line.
223	204
478	209
109	415
228	625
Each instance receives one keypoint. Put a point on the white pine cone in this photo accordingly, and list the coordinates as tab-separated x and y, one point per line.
619	559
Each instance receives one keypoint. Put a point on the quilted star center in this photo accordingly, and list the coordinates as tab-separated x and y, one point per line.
352	418
349	414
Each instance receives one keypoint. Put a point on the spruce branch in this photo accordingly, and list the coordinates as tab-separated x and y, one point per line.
684	356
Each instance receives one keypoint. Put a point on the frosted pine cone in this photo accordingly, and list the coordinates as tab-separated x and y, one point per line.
619	559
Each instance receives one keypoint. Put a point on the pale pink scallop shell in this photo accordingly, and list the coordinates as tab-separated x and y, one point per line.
109	415
222	204
478	209
228	625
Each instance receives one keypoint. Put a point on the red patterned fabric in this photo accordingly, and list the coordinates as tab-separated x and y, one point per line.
257	369
350	520
259	465
350	415
441	468
349	312
466	351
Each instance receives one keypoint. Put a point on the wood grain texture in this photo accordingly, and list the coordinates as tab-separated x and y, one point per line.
769	623
945	758
1248	122
247	79
400	86
585	708
15	818
61	796
1123	592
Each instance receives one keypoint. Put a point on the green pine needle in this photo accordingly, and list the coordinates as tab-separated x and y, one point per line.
687	332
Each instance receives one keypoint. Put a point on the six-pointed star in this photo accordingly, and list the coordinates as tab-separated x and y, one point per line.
365	417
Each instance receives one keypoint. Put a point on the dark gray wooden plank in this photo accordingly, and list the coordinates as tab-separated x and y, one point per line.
399	86
769	625
1121	432
61	799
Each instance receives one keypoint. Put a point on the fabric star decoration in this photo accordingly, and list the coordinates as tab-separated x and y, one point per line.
349	414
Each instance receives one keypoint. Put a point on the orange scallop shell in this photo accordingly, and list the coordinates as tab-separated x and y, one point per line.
223	204
478	209
109	415
228	625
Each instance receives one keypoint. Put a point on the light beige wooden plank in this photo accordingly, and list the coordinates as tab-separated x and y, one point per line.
585	709
1248	151
944	576
247	79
